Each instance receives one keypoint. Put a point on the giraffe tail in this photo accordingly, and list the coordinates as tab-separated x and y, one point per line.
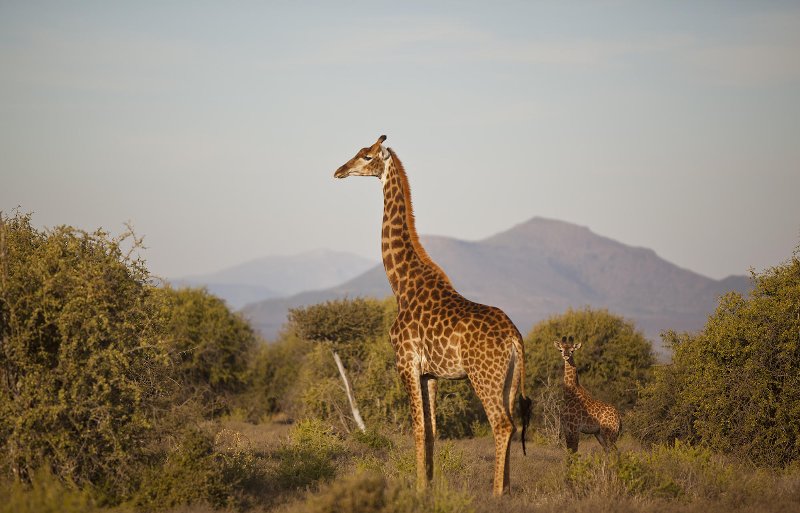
525	403
525	407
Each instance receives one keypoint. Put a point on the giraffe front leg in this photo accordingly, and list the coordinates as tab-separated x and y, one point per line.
423	437
572	438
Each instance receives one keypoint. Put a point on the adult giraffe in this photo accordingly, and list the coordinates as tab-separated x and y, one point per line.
438	333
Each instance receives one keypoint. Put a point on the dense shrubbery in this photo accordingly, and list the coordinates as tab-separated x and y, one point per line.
209	347
614	360
80	366
96	364
358	330
735	386
201	467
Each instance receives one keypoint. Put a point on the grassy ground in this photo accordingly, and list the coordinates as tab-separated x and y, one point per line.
376	474
305	467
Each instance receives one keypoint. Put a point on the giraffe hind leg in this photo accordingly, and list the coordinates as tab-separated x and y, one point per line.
509	394
432	387
428	389
494	404
609	441
602	439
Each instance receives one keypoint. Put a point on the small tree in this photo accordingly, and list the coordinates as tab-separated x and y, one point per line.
613	362
335	323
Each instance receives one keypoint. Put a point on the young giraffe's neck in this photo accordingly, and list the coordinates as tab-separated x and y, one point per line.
571	376
402	253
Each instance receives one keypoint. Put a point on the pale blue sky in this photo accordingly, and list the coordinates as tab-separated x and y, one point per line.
215	128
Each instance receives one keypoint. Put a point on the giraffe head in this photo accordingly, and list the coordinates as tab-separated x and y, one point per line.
567	346
370	161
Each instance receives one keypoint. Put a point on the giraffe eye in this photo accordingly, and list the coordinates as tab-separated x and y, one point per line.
367	158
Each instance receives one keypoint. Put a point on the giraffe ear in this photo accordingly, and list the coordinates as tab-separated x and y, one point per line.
577	346
555	343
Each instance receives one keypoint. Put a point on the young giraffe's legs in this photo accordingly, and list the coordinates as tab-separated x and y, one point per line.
423	437
609	439
572	437
602	439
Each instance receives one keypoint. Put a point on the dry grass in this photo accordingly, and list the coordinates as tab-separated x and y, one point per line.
306	468
678	479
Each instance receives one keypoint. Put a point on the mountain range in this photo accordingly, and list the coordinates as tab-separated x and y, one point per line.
279	276
540	268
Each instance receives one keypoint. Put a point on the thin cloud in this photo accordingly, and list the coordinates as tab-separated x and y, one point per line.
758	49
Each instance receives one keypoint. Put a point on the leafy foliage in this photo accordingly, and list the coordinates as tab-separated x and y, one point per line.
735	386
339	321
79	366
666	472
208	344
201	469
310	456
613	361
46	493
97	364
358	330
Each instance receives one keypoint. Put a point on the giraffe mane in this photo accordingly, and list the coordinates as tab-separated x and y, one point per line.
411	223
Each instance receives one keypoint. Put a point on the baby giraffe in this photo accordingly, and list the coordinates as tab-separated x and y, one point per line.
581	413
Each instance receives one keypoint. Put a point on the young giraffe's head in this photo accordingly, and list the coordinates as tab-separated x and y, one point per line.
567	346
371	161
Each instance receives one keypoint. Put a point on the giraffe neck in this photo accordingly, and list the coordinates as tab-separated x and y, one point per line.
402	253
571	376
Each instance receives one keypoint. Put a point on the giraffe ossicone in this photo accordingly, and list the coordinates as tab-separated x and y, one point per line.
438	333
581	413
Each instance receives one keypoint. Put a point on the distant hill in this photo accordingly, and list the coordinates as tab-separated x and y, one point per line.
279	276
540	268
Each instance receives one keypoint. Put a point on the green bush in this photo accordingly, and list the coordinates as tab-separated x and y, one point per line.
735	386
81	372
45	493
201	469
660	416
272	378
209	346
309	457
373	439
665	472
97	365
614	360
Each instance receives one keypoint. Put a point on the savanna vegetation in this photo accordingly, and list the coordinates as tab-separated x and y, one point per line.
119	393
